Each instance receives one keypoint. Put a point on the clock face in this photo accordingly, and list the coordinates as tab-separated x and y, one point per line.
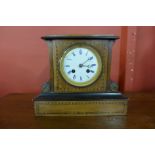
80	66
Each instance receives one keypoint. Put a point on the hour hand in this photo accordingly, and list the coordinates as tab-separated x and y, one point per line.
86	66
89	66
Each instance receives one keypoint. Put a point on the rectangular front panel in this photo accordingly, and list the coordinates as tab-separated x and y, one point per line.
60	85
80	108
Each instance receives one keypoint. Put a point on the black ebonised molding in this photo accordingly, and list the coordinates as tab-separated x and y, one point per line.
78	96
81	37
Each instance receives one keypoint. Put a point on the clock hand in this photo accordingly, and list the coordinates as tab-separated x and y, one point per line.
90	58
86	66
85	62
89	66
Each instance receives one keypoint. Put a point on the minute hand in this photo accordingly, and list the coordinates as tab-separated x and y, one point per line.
87	60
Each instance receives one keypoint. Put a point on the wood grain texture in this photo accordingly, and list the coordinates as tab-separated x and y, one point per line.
50	52
81	108
17	111
60	85
80	104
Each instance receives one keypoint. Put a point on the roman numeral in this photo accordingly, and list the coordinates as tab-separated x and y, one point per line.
67	66
74	77
90	58
68	59
87	53
69	72
92	65
80	78
80	52
73	54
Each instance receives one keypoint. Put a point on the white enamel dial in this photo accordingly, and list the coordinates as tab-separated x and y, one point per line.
80	66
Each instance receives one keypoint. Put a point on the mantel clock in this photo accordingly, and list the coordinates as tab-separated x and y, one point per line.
80	82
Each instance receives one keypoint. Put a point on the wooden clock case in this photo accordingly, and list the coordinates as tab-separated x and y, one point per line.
59	98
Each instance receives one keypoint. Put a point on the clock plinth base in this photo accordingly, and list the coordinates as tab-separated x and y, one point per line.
80	104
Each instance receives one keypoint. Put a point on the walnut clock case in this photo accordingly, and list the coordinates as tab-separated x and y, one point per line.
80	82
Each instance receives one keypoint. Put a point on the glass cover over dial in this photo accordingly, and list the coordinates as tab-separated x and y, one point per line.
80	66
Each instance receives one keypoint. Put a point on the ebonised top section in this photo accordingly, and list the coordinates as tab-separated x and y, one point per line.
88	37
78	96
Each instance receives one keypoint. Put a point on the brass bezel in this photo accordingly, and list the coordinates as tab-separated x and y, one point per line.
92	80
